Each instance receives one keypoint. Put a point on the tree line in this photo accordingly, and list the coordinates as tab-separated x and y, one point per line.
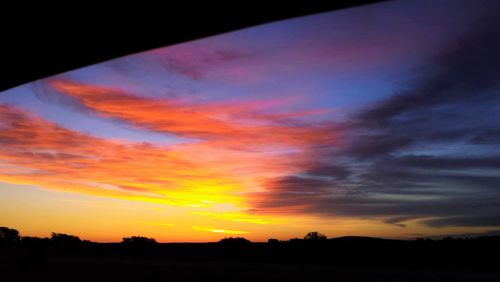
12	236
313	248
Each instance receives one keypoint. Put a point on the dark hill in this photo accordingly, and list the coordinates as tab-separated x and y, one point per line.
352	258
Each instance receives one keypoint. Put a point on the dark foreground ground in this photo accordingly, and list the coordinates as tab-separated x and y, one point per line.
340	259
84	269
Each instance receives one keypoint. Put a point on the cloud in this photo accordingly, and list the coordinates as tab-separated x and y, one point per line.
219	230
246	141
483	220
428	153
232	124
230	147
237	217
36	151
195	60
487	137
331	43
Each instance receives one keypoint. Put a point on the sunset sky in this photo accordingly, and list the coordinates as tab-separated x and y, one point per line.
380	120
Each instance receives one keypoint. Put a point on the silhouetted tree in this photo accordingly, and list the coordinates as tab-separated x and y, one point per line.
234	243
64	239
314	236
138	241
272	241
234	247
64	243
139	245
9	239
9	236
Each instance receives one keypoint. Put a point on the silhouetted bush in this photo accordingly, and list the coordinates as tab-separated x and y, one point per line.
9	240
138	241
234	241
64	239
9	236
314	236
64	243
233	248
272	241
139	245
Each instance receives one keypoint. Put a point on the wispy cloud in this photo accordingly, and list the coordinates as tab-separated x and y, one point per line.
218	230
163	224
232	124
238	217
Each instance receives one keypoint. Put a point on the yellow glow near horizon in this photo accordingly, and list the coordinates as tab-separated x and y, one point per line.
203	181
104	219
216	230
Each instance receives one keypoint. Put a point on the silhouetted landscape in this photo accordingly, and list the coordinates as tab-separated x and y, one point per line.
67	257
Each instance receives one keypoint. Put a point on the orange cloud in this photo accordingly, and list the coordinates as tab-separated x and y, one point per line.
38	152
35	151
231	124
235	148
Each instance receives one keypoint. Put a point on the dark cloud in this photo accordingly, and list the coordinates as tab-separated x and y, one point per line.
429	152
293	191
195	64
433	162
461	73
371	146
328	170
398	219
299	185
492	220
487	137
